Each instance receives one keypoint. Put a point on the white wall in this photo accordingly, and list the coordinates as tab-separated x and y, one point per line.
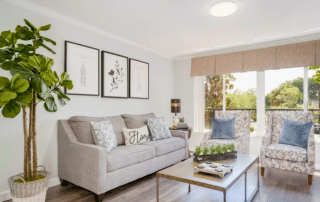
184	89
11	135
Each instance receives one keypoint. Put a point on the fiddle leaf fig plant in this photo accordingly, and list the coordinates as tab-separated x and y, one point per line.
33	82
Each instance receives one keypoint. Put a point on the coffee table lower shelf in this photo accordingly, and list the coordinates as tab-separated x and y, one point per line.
204	184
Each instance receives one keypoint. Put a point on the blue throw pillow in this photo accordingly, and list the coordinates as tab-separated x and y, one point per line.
295	133
223	128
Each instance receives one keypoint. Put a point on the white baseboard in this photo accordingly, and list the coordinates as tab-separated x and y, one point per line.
5	195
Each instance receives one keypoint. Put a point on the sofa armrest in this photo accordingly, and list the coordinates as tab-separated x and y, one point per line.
311	152
184	135
82	164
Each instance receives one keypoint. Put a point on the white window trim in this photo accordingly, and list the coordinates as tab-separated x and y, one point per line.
199	104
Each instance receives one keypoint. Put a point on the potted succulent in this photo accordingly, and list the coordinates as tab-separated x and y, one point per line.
213	153
33	82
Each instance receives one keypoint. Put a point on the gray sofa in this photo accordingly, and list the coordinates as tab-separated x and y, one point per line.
88	165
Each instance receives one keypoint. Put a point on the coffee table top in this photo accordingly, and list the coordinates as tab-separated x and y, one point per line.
183	172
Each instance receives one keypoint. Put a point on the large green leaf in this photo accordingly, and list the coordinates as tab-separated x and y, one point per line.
4	81
50	105
24	98
67	83
11	110
7	96
49	49
4	41
49	40
32	27
2	103
45	27
15	78
24	33
61	100
49	78
23	69
8	65
10	36
38	85
20	86
60	93
34	61
65	76
46	64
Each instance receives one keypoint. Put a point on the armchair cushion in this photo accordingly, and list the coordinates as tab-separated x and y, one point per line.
286	152
295	133
223	128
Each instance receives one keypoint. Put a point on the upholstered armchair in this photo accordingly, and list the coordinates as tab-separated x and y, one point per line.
287	157
242	131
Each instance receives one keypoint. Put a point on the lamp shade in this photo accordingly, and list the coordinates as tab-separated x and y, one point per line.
175	105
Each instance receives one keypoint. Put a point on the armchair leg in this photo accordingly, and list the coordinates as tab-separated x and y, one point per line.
98	198
262	171
309	179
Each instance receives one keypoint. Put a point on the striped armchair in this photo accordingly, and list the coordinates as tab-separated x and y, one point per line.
287	157
242	131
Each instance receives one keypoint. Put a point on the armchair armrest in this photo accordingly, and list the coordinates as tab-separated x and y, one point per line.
311	151
184	135
207	135
266	139
82	164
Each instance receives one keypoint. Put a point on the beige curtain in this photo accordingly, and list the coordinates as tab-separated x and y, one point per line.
278	57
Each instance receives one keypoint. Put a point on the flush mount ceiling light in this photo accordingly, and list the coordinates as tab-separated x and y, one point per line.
223	8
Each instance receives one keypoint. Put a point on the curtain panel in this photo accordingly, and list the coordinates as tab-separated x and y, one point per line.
287	56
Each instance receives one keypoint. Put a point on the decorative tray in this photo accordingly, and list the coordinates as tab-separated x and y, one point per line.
217	169
215	157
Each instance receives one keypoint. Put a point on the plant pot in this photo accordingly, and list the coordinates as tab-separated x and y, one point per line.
34	191
215	157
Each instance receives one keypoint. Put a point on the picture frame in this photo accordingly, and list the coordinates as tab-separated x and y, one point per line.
115	75
139	79
82	64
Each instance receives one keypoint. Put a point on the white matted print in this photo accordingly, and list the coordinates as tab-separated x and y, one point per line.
139	79
82	64
114	75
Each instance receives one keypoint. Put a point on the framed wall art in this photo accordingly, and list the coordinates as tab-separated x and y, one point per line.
115	78
139	79
82	64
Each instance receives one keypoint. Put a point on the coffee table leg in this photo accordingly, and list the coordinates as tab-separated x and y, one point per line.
224	196
157	189
189	189
245	186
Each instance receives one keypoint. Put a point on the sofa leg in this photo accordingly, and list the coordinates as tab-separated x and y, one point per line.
99	198
309	179
262	171
64	183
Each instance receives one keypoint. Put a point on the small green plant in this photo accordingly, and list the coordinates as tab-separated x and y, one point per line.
224	149
230	147
212	149
218	149
252	128
205	150
181	119
198	150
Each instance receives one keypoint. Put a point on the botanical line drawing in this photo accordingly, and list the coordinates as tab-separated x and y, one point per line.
117	76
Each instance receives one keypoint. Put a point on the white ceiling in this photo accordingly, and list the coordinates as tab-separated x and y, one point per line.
184	27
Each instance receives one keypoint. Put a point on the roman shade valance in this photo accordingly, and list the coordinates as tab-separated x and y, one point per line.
294	55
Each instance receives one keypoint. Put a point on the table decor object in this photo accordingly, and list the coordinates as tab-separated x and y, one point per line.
216	169
215	153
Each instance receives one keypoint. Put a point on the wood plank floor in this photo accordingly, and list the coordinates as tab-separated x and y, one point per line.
274	186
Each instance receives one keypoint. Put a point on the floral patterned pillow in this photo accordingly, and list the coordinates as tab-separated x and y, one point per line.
158	128
105	133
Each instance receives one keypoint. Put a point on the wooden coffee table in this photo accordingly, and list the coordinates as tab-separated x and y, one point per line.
183	172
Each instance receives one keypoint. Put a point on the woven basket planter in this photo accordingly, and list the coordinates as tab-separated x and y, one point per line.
34	191
215	157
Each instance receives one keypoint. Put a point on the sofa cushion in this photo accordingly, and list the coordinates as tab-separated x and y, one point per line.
286	152
136	121
165	146
84	132
117	123
123	156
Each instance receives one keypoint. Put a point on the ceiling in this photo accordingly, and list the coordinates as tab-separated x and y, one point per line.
178	28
